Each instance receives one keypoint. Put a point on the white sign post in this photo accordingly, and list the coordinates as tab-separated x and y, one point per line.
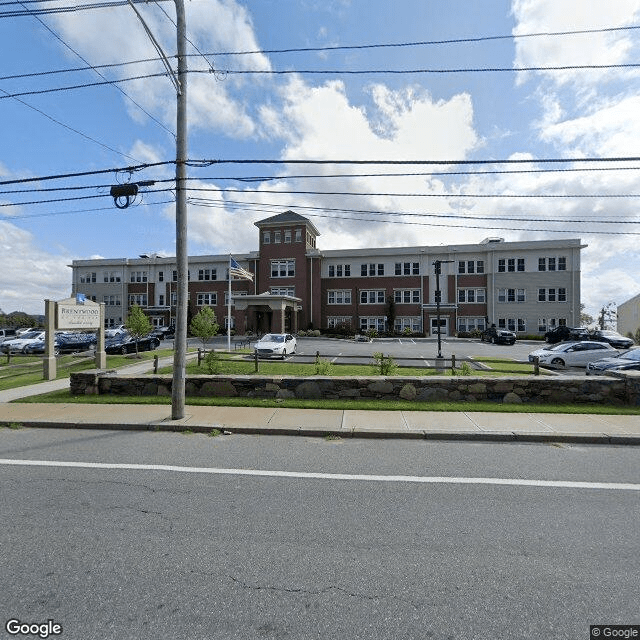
75	314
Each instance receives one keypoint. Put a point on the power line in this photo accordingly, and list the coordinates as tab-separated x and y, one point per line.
222	204
223	72
18	13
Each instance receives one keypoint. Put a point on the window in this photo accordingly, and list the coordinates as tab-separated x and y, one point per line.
542	324
511	295
471	295
372	297
479	266
471	267
338	321
161	300
520	264
339	296
471	324
551	264
407	268
413	323
138	276
85	278
111	276
475	266
174	275
552	294
287	236
160	276
138	298
376	322
266	237
277	236
522	325
542	264
298	235
207	299
283	268
406	296
112	301
511	265
207	274
502	265
562	263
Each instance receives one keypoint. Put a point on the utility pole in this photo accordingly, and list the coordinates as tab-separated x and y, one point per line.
438	270
180	350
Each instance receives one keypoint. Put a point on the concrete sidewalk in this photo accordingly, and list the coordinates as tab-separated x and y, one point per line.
466	425
463	425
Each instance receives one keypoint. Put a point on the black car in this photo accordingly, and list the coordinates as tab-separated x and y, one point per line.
613	338
498	336
164	333
562	333
71	342
626	361
126	343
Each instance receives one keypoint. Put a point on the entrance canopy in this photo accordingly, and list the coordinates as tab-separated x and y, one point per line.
271	311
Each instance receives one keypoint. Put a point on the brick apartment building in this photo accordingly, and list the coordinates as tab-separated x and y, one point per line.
528	287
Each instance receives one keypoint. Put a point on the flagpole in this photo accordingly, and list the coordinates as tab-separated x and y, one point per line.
229	310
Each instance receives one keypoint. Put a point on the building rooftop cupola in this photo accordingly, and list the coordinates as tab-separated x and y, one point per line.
286	228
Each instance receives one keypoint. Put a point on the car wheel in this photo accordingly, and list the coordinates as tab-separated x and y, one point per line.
493	340
559	362
123	350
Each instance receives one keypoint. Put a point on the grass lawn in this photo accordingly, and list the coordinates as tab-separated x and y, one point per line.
235	366
27	370
365	405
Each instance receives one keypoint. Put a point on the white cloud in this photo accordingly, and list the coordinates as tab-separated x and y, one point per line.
29	275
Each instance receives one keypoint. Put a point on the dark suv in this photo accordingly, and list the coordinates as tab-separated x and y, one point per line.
498	336
558	334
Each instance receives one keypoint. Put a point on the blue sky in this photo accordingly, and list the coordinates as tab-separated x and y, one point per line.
382	116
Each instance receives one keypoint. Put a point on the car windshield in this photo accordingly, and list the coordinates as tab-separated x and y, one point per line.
562	346
29	335
633	354
273	337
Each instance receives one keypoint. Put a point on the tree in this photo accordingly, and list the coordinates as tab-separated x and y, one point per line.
204	325
138	325
608	316
585	318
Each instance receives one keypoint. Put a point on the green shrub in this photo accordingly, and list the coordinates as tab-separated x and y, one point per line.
372	333
212	362
323	367
384	365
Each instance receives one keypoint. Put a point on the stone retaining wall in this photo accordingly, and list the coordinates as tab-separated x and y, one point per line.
622	390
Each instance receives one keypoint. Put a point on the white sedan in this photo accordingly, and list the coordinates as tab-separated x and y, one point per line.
18	344
574	354
275	344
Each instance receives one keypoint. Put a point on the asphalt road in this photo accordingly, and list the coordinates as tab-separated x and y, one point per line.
231	539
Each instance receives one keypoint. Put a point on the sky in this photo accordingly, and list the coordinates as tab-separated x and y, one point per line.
294	80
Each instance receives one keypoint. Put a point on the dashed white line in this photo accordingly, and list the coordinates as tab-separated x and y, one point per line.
512	482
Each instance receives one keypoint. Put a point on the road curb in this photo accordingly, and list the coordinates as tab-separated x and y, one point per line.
366	434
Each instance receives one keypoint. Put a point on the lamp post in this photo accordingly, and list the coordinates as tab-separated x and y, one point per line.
182	264
438	270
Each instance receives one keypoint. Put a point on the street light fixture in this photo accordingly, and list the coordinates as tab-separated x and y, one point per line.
438	270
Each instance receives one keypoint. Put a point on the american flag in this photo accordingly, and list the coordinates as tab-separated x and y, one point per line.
236	271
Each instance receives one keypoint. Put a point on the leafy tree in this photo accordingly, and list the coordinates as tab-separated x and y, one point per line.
204	325
607	318
138	324
585	318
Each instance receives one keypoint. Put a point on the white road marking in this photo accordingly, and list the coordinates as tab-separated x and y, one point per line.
513	482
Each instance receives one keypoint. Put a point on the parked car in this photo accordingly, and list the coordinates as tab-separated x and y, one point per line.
613	338
564	333
498	336
573	354
625	361
126	343
35	348
113	332
275	344
18	344
164	333
7	334
70	342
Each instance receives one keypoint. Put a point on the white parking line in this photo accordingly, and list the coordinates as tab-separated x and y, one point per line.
512	482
